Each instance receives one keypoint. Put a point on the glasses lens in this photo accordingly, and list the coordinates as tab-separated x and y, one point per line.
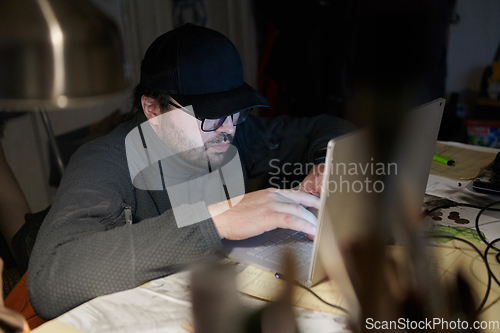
209	125
241	116
212	124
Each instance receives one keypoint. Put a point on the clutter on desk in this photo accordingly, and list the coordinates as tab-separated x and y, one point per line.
488	181
468	162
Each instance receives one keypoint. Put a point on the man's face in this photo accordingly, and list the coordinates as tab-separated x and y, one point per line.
182	133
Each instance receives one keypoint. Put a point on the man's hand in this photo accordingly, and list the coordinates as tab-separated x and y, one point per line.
265	210
312	183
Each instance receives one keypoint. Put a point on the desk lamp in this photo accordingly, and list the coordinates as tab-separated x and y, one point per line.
58	55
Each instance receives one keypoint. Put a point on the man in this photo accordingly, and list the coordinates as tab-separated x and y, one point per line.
138	204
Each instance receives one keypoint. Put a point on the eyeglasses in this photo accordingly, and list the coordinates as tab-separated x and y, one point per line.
210	125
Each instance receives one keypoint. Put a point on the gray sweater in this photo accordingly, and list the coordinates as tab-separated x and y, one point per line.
86	249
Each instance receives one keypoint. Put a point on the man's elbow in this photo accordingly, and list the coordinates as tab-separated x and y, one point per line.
51	297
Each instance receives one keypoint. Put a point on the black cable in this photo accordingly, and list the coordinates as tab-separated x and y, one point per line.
440	207
490	245
488	288
484	255
482	210
300	285
488	266
457	204
462	240
490	305
477	224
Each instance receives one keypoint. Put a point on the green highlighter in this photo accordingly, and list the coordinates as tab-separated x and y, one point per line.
444	160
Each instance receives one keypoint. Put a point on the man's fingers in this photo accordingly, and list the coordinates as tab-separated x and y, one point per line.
302	198
295	210
311	191
287	221
308	187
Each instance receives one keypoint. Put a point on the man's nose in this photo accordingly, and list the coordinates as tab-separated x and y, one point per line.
227	126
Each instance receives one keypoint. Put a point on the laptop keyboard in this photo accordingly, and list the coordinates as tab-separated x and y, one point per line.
284	240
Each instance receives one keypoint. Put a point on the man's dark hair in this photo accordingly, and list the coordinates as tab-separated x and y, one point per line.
139	91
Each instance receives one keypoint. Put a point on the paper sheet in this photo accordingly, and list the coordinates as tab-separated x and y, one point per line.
56	326
457	190
469	162
163	304
313	322
159	306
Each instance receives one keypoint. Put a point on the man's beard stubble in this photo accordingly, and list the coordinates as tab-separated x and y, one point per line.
216	159
201	157
197	156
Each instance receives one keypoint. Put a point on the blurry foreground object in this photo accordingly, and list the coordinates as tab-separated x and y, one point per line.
58	55
11	321
217	308
404	41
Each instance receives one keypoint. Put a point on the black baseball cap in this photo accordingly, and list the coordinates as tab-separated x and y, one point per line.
199	66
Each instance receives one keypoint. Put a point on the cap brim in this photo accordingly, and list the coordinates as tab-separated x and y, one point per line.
218	105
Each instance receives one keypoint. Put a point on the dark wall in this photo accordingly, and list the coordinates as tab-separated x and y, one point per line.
316	54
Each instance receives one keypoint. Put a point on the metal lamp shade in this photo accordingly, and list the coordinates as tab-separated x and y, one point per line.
58	54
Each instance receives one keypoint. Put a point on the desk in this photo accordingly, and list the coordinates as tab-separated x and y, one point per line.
460	190
164	304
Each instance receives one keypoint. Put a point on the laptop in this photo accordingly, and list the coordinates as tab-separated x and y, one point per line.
344	212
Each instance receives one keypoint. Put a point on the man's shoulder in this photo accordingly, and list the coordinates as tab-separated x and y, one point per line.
109	148
99	167
113	141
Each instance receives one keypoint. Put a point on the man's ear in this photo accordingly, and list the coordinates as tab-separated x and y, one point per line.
150	107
